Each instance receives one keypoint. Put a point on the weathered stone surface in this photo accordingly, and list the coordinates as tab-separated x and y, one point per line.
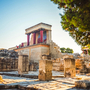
58	64
45	70
8	54
23	64
55	50
33	66
37	52
69	67
82	84
8	64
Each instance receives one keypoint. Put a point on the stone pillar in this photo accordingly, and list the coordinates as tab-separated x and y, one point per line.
23	64
45	70
48	34
28	38
69	67
41	36
34	38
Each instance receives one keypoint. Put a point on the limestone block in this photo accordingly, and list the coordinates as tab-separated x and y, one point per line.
53	61
77	71
56	64
45	70
69	67
67	56
61	67
23	64
88	70
56	68
58	60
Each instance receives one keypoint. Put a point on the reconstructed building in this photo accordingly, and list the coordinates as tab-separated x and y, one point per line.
39	42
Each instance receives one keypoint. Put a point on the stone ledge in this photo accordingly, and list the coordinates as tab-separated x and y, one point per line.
17	75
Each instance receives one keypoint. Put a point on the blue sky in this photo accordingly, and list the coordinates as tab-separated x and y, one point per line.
17	15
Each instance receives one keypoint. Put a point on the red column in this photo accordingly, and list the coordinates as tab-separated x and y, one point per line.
41	36
17	46
22	45
34	38
28	36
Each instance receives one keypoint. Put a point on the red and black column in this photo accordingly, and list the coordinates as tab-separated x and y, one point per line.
34	38
28	38
41	36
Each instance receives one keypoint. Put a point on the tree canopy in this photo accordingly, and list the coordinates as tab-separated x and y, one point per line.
66	50
76	19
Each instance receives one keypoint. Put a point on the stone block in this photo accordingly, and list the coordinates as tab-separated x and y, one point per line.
56	64
88	70
82	84
44	57
69	67
77	71
45	70
58	60
56	68
23	64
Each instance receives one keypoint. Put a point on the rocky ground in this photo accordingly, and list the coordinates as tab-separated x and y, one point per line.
22	83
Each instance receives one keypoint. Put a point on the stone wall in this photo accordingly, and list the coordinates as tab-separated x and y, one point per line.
58	64
8	64
36	53
55	50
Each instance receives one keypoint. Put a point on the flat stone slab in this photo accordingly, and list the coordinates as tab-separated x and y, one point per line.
82	84
34	84
57	82
31	74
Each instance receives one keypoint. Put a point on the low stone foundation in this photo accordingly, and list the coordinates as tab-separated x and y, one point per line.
8	64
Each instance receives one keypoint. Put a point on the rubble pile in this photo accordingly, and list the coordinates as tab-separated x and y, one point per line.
83	64
80	66
8	54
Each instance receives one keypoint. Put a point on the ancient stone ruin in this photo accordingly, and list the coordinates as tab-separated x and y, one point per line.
40	54
45	70
69	67
23	64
